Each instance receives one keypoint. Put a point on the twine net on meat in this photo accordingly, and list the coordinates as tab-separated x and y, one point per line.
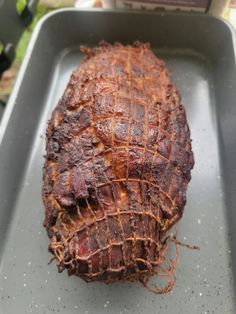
117	167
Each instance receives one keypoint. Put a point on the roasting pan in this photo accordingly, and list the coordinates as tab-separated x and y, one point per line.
200	53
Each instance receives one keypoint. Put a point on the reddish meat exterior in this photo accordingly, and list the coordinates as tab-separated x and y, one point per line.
118	161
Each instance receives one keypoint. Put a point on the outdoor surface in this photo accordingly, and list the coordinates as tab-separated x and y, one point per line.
8	79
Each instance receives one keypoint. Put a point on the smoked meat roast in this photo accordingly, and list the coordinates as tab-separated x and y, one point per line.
117	165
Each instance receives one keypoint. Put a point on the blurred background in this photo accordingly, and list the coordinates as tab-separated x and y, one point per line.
31	11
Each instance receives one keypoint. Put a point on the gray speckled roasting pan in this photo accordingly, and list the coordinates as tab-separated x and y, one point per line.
200	54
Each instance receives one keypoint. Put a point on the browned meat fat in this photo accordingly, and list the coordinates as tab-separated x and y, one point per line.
118	163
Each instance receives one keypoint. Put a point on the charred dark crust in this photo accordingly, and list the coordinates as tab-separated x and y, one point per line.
118	162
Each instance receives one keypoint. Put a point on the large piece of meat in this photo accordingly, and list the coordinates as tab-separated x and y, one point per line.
118	161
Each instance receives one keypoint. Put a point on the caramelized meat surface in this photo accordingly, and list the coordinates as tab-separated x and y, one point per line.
118	161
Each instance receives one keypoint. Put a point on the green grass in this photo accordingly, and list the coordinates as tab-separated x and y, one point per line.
20	5
6	85
23	43
1	47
